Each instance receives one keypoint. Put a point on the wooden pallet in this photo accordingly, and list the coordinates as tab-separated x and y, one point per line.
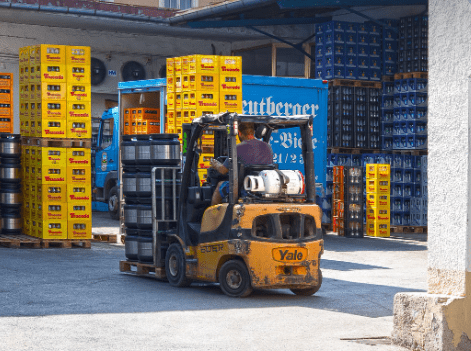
65	244
355	83
388	79
57	142
419	75
142	269
353	151
20	241
408	229
105	237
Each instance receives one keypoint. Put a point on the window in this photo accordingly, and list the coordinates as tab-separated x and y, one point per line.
106	133
185	4
178	4
289	62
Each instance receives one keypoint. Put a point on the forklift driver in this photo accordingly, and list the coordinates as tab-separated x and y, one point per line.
250	151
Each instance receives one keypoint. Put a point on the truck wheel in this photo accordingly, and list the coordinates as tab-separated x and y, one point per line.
234	279
113	203
310	291
175	266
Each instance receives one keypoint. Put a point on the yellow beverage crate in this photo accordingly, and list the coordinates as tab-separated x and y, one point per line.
378	214
204	64
378	200
23	76
79	128
178	101
53	229
170	101
205	110
208	137
79	174
378	171
230	83
208	101
204	82
23	54
230	65
78	74
170	130
79	110
35	93
378	228
54	192
170	118
148	113
51	92
24	93
33	74
185	83
77	55
203	175
205	160
79	92
46	211
51	156
79	229
150	127
78	156
170	84
177	66
35	54
49	73
378	186
170	67
189	100
231	102
186	116
53	110
178	83
178	119
51	54
5	96
186	64
79	210
192	114
79	192
49	174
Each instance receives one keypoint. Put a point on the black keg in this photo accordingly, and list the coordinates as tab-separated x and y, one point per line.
143	149
128	150
130	216
10	195
11	221
131	244
10	172
165	149
144	249
10	145
144	217
129	185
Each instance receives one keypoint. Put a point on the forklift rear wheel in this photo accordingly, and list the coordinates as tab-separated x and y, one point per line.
113	203
234	279
175	266
310	291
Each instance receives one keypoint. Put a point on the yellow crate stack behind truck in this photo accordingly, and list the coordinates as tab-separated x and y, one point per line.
378	200
55	107
202	84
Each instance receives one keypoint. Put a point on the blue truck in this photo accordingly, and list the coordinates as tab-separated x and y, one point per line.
261	96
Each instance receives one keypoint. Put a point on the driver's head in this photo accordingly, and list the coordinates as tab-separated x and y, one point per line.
246	131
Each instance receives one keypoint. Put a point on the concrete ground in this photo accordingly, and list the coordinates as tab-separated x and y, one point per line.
76	299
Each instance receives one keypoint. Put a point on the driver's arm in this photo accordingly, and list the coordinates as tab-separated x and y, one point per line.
218	166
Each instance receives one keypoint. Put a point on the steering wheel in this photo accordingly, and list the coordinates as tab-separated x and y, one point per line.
214	176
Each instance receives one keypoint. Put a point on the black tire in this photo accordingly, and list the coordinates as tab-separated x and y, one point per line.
175	266
234	279
113	203
310	291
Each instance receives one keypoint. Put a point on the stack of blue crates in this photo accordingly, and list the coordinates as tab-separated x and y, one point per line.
418	210
389	46
387	116
410	114
413	44
347	50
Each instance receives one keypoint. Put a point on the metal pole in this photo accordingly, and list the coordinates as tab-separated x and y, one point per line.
154	217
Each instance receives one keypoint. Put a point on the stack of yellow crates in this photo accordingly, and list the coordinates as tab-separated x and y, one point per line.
55	102
141	120
6	103
202	84
378	200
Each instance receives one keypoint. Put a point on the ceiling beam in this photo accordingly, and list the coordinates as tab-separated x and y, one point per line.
258	22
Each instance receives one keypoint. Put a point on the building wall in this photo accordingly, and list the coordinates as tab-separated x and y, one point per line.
449	132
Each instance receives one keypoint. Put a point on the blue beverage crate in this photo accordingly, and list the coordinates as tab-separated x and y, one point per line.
406	205
387	116
362	50
375	29
320	28
397	217
363	40
417	190
389	69
398	161
390	46
408	190
374	40
408	175
417	127
351	61
397	189
424	191
417	176
417	85
351	38
417	162
328	38
363	62
375	74
388	89
351	27
406	218
351	49
364	28
329	187
407	161
390	22
339	72
387	129
380	158
375	52
419	142
388	159
390	58
397	86
387	102
351	72
341	159
397	101
417	113
339	38
367	158
339	50
397	204
356	160
389	35
405	100
386	143
417	99
330	171
319	40
363	73
400	142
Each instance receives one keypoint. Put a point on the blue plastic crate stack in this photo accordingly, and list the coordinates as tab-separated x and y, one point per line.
360	51
408	185
413	44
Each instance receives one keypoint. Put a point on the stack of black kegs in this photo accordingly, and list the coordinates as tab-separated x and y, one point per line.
139	154
10	183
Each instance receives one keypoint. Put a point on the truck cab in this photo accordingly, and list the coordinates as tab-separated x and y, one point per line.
106	187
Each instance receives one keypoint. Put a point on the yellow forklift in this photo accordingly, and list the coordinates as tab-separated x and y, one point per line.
266	236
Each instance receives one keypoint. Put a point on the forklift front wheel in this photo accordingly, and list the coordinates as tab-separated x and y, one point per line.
234	279
175	266
113	203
